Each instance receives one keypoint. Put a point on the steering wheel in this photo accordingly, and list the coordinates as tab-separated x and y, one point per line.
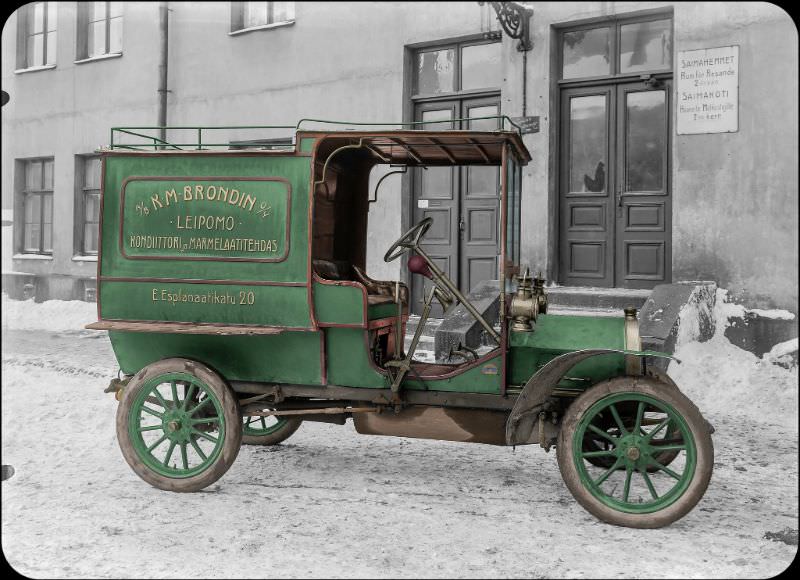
408	241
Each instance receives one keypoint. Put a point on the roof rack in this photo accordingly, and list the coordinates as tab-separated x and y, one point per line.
195	139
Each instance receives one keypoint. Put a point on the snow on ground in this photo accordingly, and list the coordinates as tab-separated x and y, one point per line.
52	315
331	503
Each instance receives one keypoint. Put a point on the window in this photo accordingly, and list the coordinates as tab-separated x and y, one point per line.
461	67
100	29
618	48
36	35
249	15
87	203
37	206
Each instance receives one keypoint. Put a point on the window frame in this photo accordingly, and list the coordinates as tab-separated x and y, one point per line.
614	25
458	47
24	16
24	196
237	18
83	49
82	190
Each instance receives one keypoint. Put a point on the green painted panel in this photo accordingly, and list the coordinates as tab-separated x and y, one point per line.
376	311
239	219
348	360
307	145
289	357
558	334
484	378
209	303
204	170
338	304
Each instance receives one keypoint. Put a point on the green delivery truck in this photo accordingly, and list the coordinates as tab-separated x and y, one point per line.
233	286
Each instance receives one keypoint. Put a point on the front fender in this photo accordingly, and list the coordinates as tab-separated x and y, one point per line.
524	414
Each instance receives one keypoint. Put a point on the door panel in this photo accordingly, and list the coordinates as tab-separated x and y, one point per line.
586	218
643	202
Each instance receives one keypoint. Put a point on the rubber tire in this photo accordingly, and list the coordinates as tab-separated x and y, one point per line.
276	437
691	414
230	409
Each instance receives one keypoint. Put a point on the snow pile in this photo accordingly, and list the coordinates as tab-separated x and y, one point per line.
52	315
722	378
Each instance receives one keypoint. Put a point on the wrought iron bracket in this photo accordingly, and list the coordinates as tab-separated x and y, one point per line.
515	20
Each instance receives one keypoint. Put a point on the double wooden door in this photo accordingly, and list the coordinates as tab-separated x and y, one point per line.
614	185
464	202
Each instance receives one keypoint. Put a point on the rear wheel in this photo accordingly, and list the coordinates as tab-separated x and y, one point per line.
268	430
178	425
632	486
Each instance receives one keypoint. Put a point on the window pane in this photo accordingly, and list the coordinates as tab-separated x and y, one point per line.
437	181
92	207
48	238
646	140
33	209
645	46
52	43
32	235
36	23
588	141
255	14
115	9
33	175
91	175
484	124
47	214
445	115
435	72
282	11
97	38
36	50
115	32
48	174
52	19
480	66
586	53
98	11
90	234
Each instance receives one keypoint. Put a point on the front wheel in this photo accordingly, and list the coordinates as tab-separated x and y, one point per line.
632	486
178	425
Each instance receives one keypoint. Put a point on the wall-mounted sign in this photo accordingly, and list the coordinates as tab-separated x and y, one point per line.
708	90
527	124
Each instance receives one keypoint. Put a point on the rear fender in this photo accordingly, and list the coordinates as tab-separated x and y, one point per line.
525	413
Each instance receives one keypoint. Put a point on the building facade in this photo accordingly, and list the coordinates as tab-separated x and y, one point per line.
664	135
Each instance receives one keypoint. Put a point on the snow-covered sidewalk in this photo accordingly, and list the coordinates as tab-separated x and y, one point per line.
331	503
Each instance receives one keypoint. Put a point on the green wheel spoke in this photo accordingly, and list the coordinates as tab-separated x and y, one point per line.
603	434
157	443
639	416
603	453
205	436
193	441
264	422
161	400
649	484
658	428
184	457
150	428
618	420
205	420
657	447
169	453
664	468
197	407
152	412
611	470
174	389
187	395
626	490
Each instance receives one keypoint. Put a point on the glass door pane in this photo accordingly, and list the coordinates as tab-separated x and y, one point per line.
588	139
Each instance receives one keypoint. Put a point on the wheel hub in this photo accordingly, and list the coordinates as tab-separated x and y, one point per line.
632	453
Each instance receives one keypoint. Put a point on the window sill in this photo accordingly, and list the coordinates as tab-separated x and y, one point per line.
262	27
81	258
20	71
99	57
32	257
